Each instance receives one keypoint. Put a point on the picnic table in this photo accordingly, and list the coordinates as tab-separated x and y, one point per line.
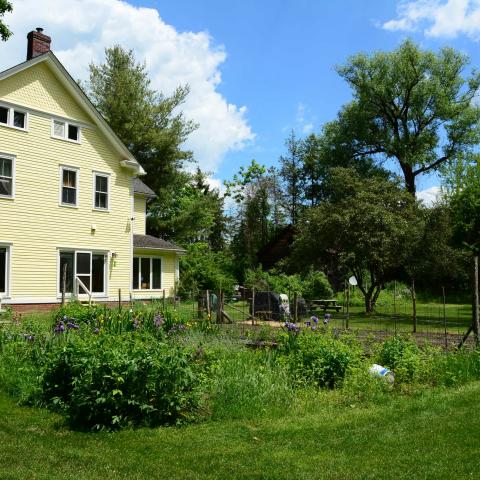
325	304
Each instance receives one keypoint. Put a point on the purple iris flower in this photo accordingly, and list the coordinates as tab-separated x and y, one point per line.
314	319
60	327
158	320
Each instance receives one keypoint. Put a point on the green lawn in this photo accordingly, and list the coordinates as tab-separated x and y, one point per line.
435	435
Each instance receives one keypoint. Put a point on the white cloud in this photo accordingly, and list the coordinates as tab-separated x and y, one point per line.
304	120
438	18
430	195
80	31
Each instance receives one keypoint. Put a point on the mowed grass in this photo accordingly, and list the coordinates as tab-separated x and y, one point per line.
434	435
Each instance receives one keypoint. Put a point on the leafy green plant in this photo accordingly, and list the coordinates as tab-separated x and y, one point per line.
403	356
112	381
318	359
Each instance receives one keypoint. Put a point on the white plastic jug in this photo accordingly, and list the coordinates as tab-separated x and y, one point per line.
382	372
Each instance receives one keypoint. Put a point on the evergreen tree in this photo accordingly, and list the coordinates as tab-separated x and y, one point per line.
145	120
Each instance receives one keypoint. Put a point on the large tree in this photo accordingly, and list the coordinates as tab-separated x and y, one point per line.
5	6
368	227
148	122
411	106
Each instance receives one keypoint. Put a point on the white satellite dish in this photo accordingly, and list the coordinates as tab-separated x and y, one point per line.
352	280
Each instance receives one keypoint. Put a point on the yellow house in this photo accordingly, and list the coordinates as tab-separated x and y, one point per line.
72	208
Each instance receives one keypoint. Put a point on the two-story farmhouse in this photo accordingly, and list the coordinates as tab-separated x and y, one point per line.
72	208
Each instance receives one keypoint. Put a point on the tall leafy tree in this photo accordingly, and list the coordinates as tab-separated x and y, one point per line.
147	121
5	7
368	227
411	106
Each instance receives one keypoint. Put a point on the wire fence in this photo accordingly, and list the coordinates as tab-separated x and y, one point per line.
437	322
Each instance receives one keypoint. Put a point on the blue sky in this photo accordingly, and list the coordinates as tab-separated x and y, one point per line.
257	69
282	56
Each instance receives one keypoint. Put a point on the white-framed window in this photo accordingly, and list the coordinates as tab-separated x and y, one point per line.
5	252
13	117
66	131
147	273
90	267
101	191
69	182
7	176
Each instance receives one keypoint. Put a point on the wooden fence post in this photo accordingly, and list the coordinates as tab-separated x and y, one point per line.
209	313
253	305
476	319
414	306
445	317
164	301
119	299
220	307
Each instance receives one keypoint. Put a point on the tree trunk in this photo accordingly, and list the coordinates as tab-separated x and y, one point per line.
409	177
371	297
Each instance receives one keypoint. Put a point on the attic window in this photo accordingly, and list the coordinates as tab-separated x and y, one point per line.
65	131
13	118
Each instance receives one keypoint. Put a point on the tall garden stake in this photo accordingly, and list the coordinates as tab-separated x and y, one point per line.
414	306
476	319
444	317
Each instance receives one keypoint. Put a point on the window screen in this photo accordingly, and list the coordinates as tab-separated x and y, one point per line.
101	191
19	119
59	129
69	187
98	273
66	258
6	177
156	273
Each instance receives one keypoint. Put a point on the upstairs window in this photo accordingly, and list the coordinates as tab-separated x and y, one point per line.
100	191
65	131
6	177
69	186
12	117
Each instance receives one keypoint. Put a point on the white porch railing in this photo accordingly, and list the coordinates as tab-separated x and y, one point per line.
78	284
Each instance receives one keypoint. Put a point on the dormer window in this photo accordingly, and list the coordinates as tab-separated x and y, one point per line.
65	131
11	117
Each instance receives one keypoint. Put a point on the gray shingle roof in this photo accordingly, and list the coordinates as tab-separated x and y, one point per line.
149	241
141	188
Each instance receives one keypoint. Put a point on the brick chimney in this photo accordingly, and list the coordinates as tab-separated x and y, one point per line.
37	44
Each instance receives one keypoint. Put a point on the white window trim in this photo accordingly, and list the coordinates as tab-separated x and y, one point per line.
94	186
8	270
77	186
10	116
13	158
60	250
151	257
65	130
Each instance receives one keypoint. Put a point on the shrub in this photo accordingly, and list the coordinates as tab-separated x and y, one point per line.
112	381
318	359
316	285
403	356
